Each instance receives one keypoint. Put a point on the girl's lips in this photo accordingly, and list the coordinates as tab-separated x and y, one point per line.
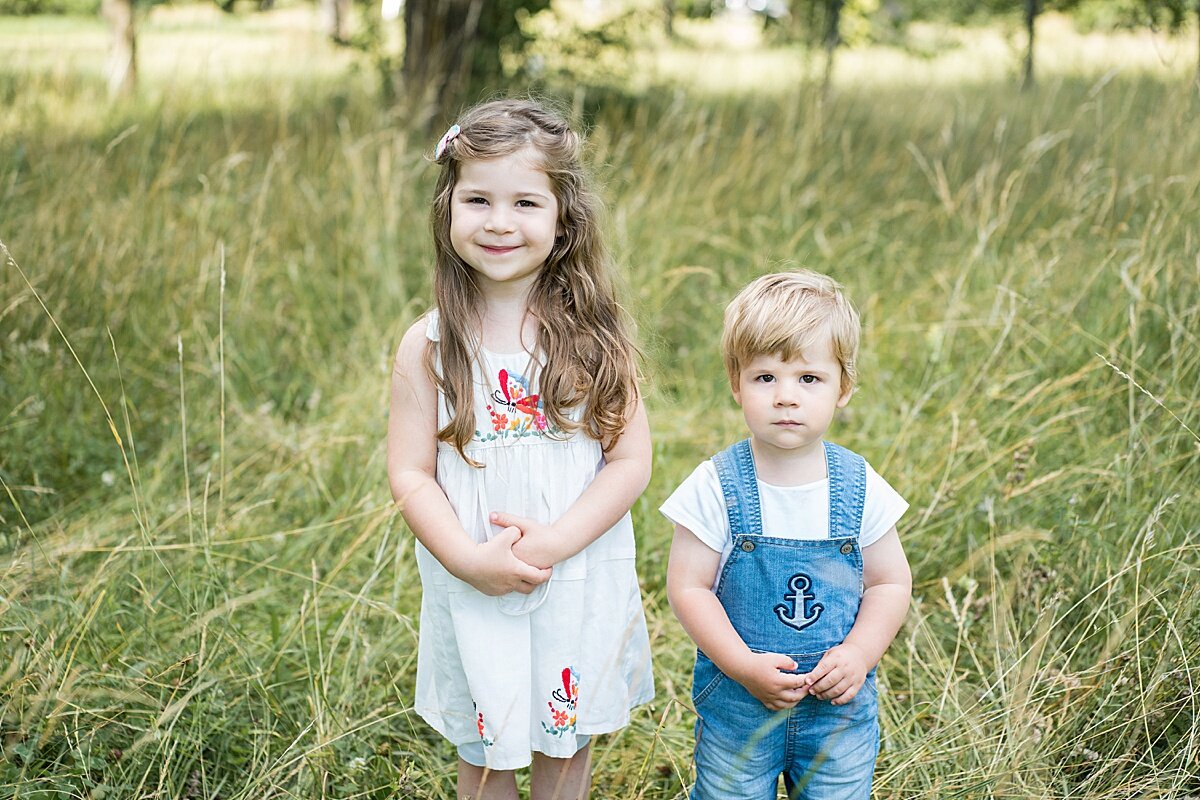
498	250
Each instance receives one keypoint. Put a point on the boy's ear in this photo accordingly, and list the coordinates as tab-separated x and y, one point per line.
737	393
845	397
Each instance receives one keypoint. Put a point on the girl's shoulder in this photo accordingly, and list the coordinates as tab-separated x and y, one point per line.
418	335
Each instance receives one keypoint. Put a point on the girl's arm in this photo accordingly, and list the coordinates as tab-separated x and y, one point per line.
492	568
691	571
611	493
887	589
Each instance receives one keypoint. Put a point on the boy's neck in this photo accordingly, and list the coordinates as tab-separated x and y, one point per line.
789	467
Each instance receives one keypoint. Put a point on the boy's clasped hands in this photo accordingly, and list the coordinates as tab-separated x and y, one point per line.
837	677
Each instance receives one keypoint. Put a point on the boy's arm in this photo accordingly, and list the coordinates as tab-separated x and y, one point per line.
887	588
691	571
607	498
411	462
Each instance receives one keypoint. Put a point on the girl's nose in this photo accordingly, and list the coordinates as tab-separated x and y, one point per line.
498	221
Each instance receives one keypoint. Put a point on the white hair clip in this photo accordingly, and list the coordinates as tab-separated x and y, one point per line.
446	139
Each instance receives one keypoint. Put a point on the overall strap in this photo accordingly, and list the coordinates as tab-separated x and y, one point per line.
847	490
739	487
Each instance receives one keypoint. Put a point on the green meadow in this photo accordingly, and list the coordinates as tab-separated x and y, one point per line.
205	590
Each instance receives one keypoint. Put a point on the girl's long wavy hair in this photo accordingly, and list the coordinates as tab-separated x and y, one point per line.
583	341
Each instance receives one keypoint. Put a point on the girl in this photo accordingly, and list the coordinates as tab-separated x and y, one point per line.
517	443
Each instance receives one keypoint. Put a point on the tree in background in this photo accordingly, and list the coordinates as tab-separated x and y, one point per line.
335	19
1171	14
122	55
1032	7
453	47
818	23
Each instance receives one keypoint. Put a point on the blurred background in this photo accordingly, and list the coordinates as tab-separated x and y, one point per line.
214	229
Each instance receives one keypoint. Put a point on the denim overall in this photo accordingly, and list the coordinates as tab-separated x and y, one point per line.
797	597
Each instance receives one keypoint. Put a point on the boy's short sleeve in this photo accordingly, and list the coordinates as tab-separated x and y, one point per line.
883	509
699	506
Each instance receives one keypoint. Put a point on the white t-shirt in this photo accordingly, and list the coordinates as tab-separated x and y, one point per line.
788	512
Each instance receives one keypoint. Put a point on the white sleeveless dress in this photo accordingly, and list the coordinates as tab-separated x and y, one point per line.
526	673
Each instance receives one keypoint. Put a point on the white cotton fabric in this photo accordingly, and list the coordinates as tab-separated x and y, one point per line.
528	673
788	512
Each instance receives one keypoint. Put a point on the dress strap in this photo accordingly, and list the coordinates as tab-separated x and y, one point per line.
847	490
433	327
739	487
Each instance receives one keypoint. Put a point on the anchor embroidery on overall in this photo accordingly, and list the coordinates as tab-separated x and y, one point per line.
797	612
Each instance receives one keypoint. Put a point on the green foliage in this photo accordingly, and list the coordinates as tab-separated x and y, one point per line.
501	33
1107	15
561	49
19	8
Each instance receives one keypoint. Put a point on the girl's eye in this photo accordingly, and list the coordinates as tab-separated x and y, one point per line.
526	204
476	201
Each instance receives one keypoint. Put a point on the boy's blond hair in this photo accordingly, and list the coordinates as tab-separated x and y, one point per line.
785	312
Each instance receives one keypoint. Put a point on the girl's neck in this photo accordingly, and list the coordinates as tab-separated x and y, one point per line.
507	325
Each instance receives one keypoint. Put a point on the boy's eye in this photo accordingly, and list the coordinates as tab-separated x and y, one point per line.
765	379
809	379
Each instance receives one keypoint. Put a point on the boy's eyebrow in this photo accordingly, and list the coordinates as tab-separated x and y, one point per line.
809	369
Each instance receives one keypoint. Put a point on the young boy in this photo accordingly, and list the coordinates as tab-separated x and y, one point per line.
786	569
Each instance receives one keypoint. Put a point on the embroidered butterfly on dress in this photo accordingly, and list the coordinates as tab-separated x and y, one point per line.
570	691
513	397
562	720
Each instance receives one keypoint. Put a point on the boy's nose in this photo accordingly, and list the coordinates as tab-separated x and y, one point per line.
786	396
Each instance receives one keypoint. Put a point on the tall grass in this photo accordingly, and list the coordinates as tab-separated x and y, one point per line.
205	592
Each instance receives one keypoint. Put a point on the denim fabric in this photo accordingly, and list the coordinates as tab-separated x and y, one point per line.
798	597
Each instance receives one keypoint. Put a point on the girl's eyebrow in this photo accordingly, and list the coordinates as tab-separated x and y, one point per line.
467	189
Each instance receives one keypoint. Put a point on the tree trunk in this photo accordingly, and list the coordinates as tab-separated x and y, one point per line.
335	17
668	10
833	35
440	37
1031	13
122	56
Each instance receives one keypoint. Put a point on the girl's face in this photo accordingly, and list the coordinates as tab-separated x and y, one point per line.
503	219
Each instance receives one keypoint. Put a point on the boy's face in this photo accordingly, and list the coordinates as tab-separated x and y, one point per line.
788	405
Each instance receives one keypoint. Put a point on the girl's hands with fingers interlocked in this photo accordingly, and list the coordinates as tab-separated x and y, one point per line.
494	568
839	674
763	675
